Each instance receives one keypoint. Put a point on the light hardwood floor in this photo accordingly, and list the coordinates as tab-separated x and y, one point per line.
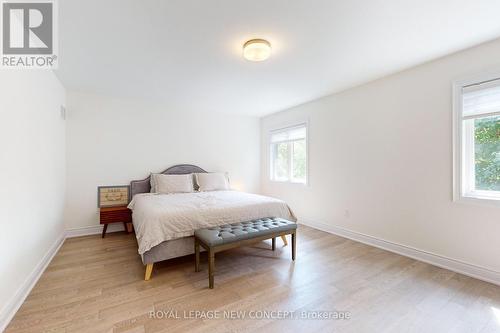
96	285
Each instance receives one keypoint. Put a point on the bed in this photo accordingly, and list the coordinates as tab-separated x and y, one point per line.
165	223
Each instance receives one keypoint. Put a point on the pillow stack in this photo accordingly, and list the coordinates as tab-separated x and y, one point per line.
166	184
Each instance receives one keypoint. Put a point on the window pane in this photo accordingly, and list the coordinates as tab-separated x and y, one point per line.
280	161
299	161
487	153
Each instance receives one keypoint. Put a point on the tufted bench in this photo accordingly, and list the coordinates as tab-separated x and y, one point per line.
228	236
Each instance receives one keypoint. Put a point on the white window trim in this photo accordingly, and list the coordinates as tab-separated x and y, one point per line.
479	197
283	127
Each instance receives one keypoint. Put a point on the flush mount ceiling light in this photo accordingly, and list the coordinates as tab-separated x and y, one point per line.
257	50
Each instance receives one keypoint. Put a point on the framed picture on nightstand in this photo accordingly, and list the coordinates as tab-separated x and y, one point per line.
112	196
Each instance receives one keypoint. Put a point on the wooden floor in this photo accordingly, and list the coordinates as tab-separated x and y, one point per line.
96	285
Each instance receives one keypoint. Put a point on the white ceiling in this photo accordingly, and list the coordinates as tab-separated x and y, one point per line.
187	53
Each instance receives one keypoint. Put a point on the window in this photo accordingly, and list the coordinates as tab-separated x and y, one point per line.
288	158
478	124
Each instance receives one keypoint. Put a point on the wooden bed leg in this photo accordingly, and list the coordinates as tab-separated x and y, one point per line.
274	243
149	270
211	267
284	240
197	255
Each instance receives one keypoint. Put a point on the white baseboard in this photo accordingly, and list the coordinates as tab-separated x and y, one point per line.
93	230
458	266
11	307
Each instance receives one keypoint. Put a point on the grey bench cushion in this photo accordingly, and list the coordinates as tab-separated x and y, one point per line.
234	232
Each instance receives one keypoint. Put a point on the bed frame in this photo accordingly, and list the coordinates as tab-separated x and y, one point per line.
172	248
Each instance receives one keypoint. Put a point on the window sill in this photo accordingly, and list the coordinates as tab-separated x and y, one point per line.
286	182
479	199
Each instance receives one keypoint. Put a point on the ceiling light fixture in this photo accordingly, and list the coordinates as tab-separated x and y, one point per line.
256	49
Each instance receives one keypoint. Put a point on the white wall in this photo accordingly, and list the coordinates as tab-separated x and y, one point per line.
383	151
113	141
32	164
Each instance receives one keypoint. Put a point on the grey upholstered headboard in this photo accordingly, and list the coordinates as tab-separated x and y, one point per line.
144	185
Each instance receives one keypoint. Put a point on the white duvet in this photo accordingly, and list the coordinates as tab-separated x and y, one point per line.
161	217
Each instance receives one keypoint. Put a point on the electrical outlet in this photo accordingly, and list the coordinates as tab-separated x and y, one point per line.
347	213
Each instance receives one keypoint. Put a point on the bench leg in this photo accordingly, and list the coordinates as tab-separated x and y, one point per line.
211	267
197	256
274	243
284	240
149	270
294	244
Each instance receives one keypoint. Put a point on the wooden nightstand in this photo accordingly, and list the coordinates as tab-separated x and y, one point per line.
114	215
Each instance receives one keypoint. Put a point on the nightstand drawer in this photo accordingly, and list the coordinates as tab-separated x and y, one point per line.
115	217
115	214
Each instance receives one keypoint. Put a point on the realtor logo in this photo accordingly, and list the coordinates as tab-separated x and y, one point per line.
28	34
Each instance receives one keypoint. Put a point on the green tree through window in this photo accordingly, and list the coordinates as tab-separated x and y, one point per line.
487	153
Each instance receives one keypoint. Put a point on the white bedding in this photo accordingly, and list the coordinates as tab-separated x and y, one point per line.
161	217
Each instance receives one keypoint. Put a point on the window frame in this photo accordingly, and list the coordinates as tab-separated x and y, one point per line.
270	166
463	167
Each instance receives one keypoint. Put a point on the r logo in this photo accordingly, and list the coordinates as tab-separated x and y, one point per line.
27	28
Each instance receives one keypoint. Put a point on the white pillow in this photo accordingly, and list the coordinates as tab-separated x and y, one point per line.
171	183
216	181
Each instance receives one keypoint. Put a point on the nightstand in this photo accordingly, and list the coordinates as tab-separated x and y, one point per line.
114	215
